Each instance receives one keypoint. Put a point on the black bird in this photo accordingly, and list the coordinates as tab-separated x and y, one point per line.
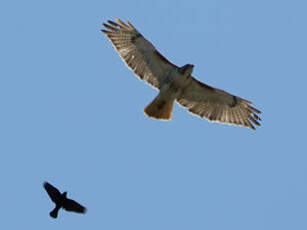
61	201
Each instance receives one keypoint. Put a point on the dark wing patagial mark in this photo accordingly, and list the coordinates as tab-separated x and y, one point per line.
53	192
203	85
234	102
163	59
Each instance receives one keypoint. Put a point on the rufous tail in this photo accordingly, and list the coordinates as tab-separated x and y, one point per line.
160	109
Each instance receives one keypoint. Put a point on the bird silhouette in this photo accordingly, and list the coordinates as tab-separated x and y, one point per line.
61	201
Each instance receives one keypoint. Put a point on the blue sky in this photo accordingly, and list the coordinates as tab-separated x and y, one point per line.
72	114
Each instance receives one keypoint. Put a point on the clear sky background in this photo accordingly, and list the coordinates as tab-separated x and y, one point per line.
72	114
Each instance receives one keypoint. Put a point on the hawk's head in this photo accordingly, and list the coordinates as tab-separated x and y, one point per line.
186	69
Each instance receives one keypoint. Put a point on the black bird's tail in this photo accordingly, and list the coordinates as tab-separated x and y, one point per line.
54	212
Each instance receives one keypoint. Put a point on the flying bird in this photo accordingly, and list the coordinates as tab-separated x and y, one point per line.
61	201
176	83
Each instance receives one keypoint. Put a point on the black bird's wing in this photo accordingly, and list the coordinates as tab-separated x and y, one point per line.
53	192
73	206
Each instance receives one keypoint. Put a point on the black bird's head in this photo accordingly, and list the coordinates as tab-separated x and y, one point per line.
64	194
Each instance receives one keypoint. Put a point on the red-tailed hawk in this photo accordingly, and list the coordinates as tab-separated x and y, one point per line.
176	83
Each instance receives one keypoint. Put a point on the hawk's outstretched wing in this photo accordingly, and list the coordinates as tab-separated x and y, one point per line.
200	99
218	105
138	53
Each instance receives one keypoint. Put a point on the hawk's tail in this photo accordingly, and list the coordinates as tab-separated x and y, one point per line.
160	108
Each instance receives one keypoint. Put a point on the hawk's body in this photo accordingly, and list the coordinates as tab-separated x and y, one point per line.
176	83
